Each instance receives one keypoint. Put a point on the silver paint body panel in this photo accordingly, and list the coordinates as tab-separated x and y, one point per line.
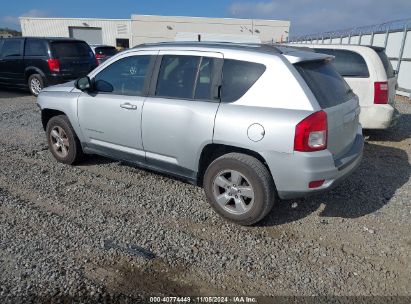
169	135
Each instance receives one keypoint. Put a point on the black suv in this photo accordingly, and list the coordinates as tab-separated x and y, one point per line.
39	62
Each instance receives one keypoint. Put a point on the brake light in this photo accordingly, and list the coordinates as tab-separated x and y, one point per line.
381	92
311	133
54	65
316	184
100	56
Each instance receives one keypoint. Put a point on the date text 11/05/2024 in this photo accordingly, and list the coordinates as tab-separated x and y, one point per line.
240	299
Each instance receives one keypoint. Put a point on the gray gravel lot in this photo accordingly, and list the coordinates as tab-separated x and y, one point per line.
57	223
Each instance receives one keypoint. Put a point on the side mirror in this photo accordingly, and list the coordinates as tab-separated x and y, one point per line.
83	83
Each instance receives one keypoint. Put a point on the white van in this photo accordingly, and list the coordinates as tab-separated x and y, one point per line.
370	75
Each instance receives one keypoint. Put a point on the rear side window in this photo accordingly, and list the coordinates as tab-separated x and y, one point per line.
106	51
329	88
177	76
62	49
188	77
12	47
35	48
348	63
238	78
387	64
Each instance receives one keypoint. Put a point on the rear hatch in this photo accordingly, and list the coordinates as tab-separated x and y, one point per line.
335	98
391	78
76	57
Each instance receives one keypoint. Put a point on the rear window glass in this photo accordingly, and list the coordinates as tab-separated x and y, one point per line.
387	64
348	63
107	51
61	49
327	85
238	78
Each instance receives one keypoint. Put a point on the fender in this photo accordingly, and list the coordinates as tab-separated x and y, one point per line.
65	102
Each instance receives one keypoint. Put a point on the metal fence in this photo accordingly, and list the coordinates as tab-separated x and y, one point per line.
394	36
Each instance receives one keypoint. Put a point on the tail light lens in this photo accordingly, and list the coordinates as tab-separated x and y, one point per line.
98	57
54	65
316	184
381	92
311	133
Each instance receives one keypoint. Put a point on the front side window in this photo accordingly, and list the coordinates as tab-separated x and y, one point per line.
11	48
35	48
238	78
127	76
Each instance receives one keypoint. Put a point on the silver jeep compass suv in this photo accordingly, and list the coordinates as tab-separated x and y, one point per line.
250	123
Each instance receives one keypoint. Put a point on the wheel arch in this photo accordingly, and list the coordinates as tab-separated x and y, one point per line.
47	114
33	70
212	151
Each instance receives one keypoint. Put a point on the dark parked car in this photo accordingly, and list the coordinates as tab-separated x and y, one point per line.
103	52
39	62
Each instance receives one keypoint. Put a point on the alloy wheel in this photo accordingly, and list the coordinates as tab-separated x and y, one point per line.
233	192
60	142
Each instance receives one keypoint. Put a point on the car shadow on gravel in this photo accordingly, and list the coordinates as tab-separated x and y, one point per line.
382	172
93	160
12	93
397	133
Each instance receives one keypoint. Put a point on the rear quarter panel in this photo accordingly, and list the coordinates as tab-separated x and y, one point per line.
277	101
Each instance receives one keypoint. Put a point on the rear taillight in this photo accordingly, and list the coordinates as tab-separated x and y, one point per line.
311	133
54	65
100	56
381	92
316	184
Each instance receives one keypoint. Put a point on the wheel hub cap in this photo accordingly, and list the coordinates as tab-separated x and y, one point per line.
59	141
35	85
233	192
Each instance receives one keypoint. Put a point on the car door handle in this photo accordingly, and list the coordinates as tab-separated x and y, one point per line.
128	106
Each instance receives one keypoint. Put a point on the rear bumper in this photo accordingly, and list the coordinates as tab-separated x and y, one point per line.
376	116
293	172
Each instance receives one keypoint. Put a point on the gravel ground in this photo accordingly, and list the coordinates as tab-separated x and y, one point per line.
72	232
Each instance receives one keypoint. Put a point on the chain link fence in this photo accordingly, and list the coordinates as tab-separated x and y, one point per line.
394	36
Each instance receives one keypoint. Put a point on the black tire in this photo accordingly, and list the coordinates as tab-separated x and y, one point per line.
255	173
74	151
35	83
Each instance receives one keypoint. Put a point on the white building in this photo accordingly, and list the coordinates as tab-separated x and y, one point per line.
145	29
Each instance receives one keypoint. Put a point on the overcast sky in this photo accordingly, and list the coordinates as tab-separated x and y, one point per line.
306	16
